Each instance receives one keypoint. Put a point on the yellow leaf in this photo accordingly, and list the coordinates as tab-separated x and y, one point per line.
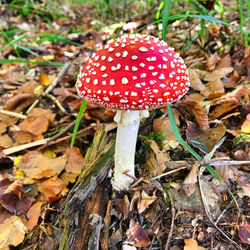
48	57
12	231
191	244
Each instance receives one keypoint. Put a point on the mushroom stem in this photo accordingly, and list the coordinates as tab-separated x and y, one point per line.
128	125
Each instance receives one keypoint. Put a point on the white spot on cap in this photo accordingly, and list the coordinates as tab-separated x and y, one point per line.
172	65
96	58
117	54
94	73
116	44
142	65
155	91
106	98
112	82
111	93
151	67
126	92
161	51
154	73
123	45
161	76
103	83
164	58
143	84
152	82
105	75
110	59
123	101
166	93
133	93
102	68
178	70
159	99
124	53
138	85
143	49
88	67
106	46
134	57
98	91
111	49
152	48
164	66
95	82
117	93
143	75
134	77
162	85
124	80
87	80
126	67
134	68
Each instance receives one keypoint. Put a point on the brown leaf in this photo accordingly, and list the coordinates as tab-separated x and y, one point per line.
5	141
50	189
137	235
214	89
199	112
37	121
195	81
241	94
156	159
245	127
190	181
205	139
226	62
244	232
218	74
122	206
32	216
212	61
191	244
75	160
19	102
12	231
221	110
36	165
145	201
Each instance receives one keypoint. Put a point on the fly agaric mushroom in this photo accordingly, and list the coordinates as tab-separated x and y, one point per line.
132	74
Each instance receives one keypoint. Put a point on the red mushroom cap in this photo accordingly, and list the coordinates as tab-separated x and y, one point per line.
134	72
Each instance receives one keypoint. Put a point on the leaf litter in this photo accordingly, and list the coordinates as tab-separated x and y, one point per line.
34	183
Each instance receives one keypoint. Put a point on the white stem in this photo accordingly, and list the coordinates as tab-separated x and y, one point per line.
128	125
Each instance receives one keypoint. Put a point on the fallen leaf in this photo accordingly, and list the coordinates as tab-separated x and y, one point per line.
198	111
218	74
19	102
226	62
75	160
244	231
205	140
5	141
195	81
214	89
245	127
32	216
50	189
37	122
191	244
137	235
190	181
36	165
212	61
156	159
145	201
12	231
221	110
44	79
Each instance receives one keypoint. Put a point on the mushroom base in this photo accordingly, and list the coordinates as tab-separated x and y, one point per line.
128	125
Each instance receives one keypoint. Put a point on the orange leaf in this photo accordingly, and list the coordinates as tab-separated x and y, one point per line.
191	244
75	161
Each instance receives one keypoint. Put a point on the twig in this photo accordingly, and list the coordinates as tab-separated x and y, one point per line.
14	114
218	163
52	85
59	105
168	173
172	222
204	201
15	149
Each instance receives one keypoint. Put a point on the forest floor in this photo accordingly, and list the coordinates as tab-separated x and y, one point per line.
53	196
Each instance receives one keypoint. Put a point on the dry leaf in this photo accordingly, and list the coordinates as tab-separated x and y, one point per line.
245	127
212	61
19	102
44	79
226	62
32	216
5	141
12	231
75	160
191	244
205	139
244	231
36	165
137	235
145	201
218	74
236	96
214	89
190	181
195	81
199	112
37	122
50	189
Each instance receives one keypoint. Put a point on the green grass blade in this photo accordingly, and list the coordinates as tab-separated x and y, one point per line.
30	62
78	119
165	18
